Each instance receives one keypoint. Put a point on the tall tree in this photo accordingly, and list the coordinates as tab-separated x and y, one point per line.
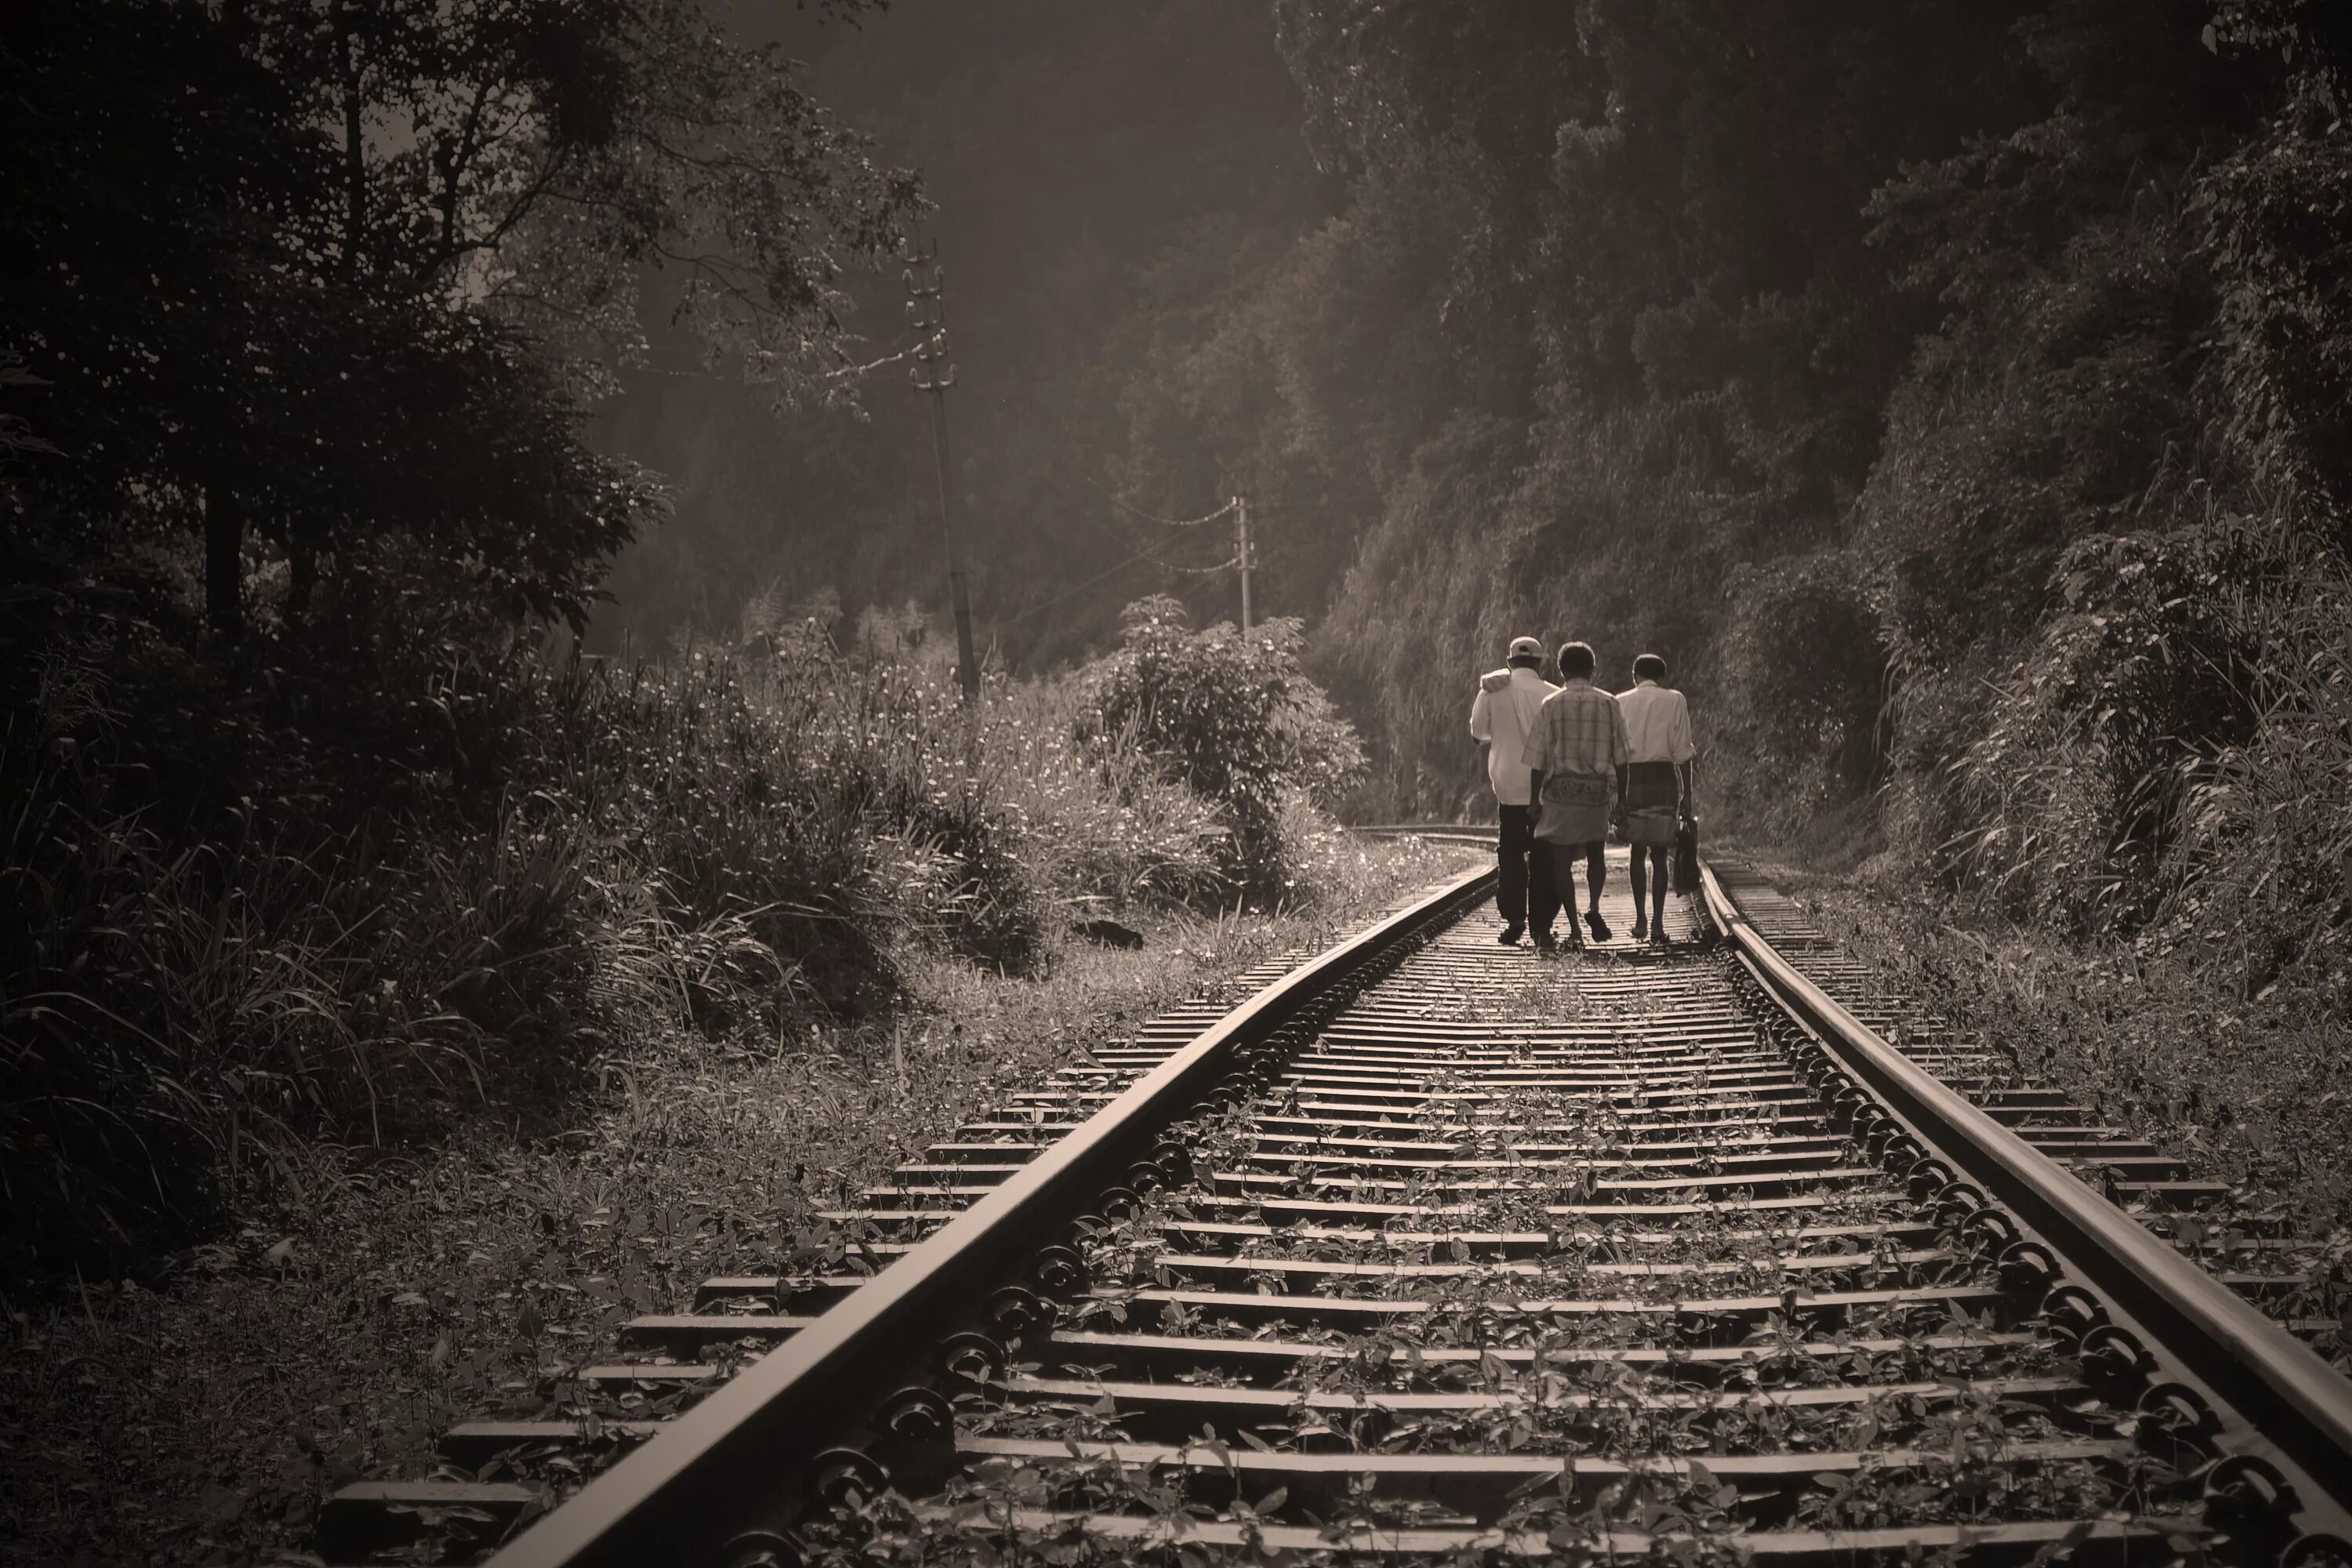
333	274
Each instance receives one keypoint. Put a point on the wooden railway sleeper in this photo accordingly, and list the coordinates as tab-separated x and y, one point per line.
2253	1501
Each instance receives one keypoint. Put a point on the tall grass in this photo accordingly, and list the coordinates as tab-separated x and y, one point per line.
2166	763
749	842
1101	822
2257	879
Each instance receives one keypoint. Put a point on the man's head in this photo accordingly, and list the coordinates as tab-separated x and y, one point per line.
1650	666
1575	661
1525	654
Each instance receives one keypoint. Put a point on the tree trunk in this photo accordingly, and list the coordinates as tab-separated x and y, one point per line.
224	563
354	143
302	580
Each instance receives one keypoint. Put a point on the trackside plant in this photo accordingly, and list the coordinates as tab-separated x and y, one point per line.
1229	715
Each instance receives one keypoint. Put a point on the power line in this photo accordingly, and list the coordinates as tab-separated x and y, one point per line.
1132	558
1077	588
1141	553
1224	510
1242	561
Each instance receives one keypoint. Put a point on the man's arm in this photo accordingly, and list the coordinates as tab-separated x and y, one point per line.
1482	720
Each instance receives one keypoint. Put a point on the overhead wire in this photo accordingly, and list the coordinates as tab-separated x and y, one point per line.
1225	511
1144	553
1134	554
1113	570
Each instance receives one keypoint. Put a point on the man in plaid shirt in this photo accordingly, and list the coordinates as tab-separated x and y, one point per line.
1575	754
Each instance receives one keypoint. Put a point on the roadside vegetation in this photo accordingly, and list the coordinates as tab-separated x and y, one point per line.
318	828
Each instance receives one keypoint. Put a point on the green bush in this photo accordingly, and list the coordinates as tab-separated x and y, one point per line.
1232	718
2056	792
352	896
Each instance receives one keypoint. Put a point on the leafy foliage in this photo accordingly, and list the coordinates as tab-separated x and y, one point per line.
1973	434
1231	715
276	267
2061	797
306	834
216	942
1805	678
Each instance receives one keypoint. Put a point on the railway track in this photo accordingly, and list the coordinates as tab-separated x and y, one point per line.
1433	1250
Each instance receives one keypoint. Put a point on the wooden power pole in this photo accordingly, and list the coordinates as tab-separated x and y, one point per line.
1242	554
934	372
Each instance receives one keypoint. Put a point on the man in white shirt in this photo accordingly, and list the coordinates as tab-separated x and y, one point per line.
1655	787
1500	717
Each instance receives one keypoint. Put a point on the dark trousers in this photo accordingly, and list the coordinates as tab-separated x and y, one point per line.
1525	869
1559	886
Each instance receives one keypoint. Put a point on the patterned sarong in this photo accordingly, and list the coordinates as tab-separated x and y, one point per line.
1575	807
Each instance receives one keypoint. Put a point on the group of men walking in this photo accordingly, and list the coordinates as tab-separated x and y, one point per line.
1569	760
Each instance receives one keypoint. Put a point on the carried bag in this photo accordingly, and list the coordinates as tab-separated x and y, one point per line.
1686	856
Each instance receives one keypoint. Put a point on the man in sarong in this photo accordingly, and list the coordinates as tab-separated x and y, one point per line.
1575	755
1656	788
1500	717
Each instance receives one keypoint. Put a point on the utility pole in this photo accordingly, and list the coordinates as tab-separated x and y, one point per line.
934	372
1242	554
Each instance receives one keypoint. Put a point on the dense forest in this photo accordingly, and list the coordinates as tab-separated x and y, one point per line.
1956	392
1953	391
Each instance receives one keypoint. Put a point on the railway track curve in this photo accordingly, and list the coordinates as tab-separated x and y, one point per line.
1433	1250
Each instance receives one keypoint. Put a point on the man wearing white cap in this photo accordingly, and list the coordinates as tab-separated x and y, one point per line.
1500	717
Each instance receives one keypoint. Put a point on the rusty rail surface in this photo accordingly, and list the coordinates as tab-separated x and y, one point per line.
1432	1247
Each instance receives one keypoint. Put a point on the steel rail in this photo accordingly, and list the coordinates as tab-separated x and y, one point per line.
745	1464
1444	832
725	1483
2290	1406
